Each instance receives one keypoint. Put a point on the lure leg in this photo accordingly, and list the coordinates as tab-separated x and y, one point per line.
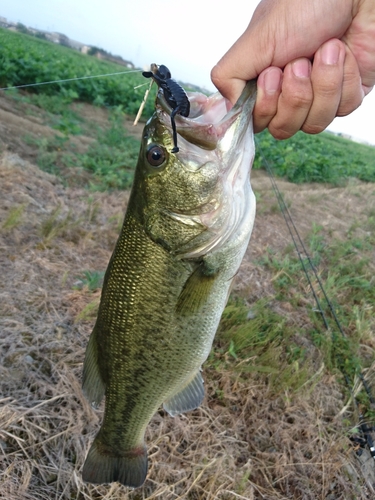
173	114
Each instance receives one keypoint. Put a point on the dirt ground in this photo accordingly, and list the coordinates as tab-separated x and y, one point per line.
255	446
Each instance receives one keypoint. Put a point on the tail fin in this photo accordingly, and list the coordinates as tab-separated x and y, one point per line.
104	465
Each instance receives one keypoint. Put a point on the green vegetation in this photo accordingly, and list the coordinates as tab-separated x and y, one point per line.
92	279
260	343
26	59
112	158
14	218
59	224
320	158
108	161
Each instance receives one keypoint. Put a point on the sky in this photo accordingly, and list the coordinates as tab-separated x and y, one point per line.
188	37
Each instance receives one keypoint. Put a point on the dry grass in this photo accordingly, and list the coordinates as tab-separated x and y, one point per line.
250	440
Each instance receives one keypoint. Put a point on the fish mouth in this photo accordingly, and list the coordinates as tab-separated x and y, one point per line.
210	117
219	142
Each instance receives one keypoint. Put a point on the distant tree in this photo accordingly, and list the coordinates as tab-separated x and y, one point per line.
64	40
40	35
93	51
22	29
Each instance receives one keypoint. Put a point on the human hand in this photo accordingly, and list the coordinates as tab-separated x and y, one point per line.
278	46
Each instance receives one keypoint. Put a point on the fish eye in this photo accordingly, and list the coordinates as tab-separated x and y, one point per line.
155	155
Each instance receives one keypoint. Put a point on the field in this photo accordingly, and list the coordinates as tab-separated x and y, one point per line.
278	417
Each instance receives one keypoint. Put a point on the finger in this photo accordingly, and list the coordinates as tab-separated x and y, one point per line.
327	78
268	92
352	89
234	69
246	59
295	99
230	88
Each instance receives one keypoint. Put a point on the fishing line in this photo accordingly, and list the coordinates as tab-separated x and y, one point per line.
301	249
72	79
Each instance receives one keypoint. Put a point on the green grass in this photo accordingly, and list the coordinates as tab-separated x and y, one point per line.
60	224
110	159
90	279
343	267
14	217
258	342
316	158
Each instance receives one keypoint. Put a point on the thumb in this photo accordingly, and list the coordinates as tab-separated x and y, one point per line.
241	63
250	54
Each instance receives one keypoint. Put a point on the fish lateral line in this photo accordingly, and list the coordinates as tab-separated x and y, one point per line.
174	94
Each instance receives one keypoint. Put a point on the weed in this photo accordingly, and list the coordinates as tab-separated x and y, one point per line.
49	152
89	312
92	279
92	212
260	345
57	224
287	271
110	160
14	217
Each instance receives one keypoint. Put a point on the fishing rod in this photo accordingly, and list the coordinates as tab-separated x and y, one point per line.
366	439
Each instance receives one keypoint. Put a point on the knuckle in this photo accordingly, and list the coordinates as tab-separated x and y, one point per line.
313	129
264	113
327	89
259	127
216	77
299	100
347	106
351	98
260	122
280	133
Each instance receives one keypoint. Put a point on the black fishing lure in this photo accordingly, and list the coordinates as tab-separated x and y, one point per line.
174	94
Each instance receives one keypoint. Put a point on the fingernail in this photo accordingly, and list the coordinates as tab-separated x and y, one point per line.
272	79
330	53
301	68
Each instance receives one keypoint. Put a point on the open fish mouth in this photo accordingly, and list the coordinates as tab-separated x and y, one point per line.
220	141
209	117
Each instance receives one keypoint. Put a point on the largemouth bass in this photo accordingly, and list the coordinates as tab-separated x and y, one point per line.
186	229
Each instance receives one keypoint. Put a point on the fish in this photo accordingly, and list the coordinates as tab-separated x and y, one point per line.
186	228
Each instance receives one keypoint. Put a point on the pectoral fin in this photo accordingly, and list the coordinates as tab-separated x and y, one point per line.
187	398
92	384
195	292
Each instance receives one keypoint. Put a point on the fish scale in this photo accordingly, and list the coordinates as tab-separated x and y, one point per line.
167	282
